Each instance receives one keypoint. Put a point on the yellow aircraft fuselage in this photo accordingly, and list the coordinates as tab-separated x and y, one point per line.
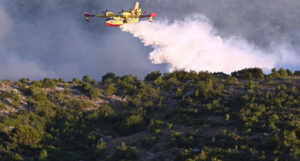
125	17
118	21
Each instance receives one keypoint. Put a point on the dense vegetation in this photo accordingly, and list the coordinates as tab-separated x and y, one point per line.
181	116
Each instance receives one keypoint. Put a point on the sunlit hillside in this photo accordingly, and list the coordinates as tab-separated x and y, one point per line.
182	116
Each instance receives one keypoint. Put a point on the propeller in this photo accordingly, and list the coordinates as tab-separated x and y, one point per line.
121	11
104	12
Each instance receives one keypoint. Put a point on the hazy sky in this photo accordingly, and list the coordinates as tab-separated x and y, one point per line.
41	38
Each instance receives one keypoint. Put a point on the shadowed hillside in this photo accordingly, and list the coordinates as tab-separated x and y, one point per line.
182	116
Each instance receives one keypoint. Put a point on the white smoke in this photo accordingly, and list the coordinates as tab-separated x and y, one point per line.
193	44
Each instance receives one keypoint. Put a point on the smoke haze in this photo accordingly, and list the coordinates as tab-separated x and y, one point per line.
50	37
5	24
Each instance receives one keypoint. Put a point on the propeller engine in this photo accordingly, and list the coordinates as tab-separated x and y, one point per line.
88	16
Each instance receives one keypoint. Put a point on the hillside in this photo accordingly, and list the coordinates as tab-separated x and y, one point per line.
182	116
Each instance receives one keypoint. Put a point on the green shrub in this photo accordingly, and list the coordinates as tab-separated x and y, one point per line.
134	120
104	111
153	76
111	76
24	80
25	135
86	79
297	73
17	157
80	104
76	81
249	73
110	89
13	95
3	106
90	91
43	155
125	153
250	85
94	93
48	83
281	73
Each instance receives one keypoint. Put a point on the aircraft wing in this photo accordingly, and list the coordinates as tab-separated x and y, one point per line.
87	15
101	15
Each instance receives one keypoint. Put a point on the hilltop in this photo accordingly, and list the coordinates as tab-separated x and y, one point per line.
190	116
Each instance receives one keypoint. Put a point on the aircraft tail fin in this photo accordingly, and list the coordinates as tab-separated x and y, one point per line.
137	6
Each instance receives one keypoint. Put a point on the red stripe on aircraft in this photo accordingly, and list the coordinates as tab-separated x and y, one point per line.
112	25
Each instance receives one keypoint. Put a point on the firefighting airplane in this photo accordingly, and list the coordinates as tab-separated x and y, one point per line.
125	17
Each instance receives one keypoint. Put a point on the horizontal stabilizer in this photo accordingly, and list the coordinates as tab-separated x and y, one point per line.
152	15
